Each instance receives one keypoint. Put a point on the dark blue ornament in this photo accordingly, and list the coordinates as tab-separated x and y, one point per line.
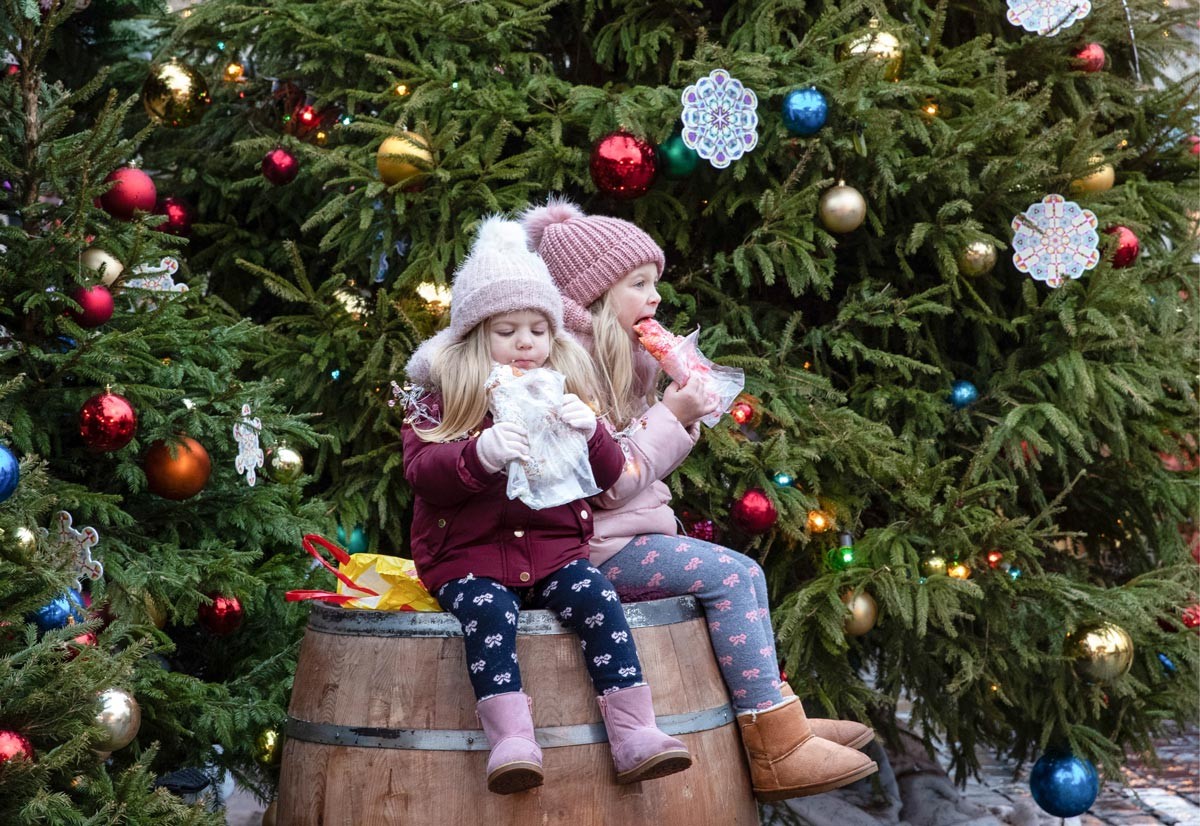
358	539
962	394
1064	785
59	611
10	473
804	111
1168	666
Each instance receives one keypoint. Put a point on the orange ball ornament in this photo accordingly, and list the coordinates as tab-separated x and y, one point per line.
177	477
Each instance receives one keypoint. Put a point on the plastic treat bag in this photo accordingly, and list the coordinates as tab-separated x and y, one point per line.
681	359
558	470
378	582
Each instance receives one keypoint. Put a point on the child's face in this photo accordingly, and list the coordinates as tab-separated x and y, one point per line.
636	297
520	338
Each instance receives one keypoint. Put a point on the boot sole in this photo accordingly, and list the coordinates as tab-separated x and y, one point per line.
515	777
862	740
817	788
660	765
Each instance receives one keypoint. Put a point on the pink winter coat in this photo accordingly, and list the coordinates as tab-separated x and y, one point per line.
639	502
463	521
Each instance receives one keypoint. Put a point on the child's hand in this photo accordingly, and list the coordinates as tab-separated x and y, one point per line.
500	444
577	414
689	403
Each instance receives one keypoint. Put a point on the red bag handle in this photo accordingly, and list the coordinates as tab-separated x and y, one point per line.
342	557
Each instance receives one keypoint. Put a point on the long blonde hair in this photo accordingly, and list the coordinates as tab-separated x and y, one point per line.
622	395
460	370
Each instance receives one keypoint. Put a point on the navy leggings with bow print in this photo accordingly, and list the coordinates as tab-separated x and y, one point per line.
583	599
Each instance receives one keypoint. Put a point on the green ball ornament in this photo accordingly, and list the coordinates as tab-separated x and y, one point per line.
357	543
675	159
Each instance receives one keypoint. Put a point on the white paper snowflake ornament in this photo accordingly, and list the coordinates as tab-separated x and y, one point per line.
159	278
720	121
1047	17
1055	239
250	455
65	540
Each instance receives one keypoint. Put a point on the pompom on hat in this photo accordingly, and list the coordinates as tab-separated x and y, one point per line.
499	275
586	254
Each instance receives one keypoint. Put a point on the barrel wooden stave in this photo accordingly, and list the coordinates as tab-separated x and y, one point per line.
422	683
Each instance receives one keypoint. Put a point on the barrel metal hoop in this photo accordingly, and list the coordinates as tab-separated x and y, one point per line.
357	622
548	737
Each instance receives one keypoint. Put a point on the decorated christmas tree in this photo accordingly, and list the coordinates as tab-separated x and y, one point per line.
143	555
951	244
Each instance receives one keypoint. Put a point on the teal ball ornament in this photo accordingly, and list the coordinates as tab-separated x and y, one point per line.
805	111
357	542
676	160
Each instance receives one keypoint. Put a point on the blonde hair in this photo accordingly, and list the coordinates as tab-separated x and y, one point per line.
460	370
620	395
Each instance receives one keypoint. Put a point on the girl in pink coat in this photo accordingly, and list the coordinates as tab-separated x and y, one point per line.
607	270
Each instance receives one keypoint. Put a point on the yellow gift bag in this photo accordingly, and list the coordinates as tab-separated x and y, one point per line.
371	581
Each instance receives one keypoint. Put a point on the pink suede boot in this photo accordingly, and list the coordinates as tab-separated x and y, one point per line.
640	750
515	761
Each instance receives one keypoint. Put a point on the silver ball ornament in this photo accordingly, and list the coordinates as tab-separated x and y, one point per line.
842	208
977	258
287	465
120	717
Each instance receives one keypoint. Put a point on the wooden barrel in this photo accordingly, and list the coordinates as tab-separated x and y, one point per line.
382	728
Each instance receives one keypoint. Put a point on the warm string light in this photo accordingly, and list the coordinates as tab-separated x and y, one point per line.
820	521
235	72
930	109
401	89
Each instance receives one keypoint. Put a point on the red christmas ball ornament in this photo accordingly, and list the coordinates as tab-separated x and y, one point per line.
107	421
1191	616
623	165
1194	141
1128	246
177	477
223	616
1091	58
84	640
95	305
179	216
133	190
742	412
280	166
754	512
14	746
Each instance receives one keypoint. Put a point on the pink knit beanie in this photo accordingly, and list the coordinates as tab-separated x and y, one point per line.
586	254
499	275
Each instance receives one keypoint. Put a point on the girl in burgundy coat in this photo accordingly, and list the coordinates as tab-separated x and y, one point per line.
485	556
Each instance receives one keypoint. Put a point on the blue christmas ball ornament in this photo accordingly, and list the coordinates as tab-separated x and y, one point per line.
804	111
962	394
1168	666
10	473
59	611
1064	785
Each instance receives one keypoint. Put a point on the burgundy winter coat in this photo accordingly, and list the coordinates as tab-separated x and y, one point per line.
464	522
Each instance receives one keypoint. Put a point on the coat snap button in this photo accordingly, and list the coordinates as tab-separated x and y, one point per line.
441	523
583	514
525	576
518	534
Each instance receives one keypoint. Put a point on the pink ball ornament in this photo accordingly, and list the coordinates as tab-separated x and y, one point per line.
1091	58
96	305
1127	248
754	512
179	216
280	166
14	746
132	190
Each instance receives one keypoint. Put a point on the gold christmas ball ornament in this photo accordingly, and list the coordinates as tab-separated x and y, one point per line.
287	465
26	539
933	564
103	263
402	156
267	746
1103	651
977	258
1100	180
863	613
175	94
883	47
842	208
119	717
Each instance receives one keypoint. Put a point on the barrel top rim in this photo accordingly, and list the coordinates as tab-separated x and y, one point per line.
362	622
